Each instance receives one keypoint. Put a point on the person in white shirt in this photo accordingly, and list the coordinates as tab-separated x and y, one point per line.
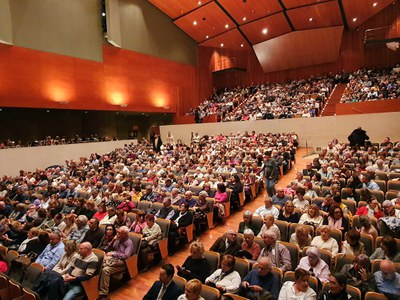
299	289
312	217
267	208
315	265
225	279
269	225
325	241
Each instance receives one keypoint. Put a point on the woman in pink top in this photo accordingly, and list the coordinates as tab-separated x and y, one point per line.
219	200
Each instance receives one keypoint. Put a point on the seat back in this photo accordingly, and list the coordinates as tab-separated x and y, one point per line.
28	294
354	292
351	205
242	266
379	241
376	266
195	190
100	256
32	274
209	293
283	228
379	175
391	195
279	274
393	185
156	206
213	259
144	205
341	260
163	243
382	184
258	222
294	253
375	296
10	256
180	282
368	242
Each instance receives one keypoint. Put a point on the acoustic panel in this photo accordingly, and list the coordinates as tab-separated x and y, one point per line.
300	49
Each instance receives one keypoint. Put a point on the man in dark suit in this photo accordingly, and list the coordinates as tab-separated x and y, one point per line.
157	143
227	244
248	223
165	289
178	223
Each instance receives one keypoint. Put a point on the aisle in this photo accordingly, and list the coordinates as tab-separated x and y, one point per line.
137	287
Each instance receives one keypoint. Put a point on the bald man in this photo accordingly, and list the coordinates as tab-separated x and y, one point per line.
260	280
83	268
388	280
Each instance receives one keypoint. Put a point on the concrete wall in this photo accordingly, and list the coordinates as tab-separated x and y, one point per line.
315	132
30	158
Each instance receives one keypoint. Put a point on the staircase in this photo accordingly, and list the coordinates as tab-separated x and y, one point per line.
330	106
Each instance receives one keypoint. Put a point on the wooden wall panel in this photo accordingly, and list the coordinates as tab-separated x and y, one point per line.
369	107
300	49
30	78
353	55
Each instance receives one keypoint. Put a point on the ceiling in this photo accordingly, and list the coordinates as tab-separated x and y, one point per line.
240	24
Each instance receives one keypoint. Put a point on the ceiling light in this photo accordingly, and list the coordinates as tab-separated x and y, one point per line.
207	36
194	23
199	3
265	31
222	44
354	19
244	18
241	45
226	26
103	14
375	4
310	19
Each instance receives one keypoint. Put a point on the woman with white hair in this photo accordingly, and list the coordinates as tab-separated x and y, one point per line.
250	249
315	265
325	241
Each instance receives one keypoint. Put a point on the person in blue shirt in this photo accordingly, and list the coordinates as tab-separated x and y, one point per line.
51	255
260	281
388	280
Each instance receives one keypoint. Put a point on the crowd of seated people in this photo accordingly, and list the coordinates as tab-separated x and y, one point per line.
304	98
97	202
346	236
57	140
372	84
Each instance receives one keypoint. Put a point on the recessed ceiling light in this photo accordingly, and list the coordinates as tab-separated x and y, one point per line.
310	19
103	14
375	4
354	19
241	45
222	44
194	23
207	36
265	31
226	26
244	18
199	3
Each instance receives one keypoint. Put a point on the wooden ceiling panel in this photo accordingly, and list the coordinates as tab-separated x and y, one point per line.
176	8
274	25
316	16
357	12
300	49
297	3
232	39
206	22
245	12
